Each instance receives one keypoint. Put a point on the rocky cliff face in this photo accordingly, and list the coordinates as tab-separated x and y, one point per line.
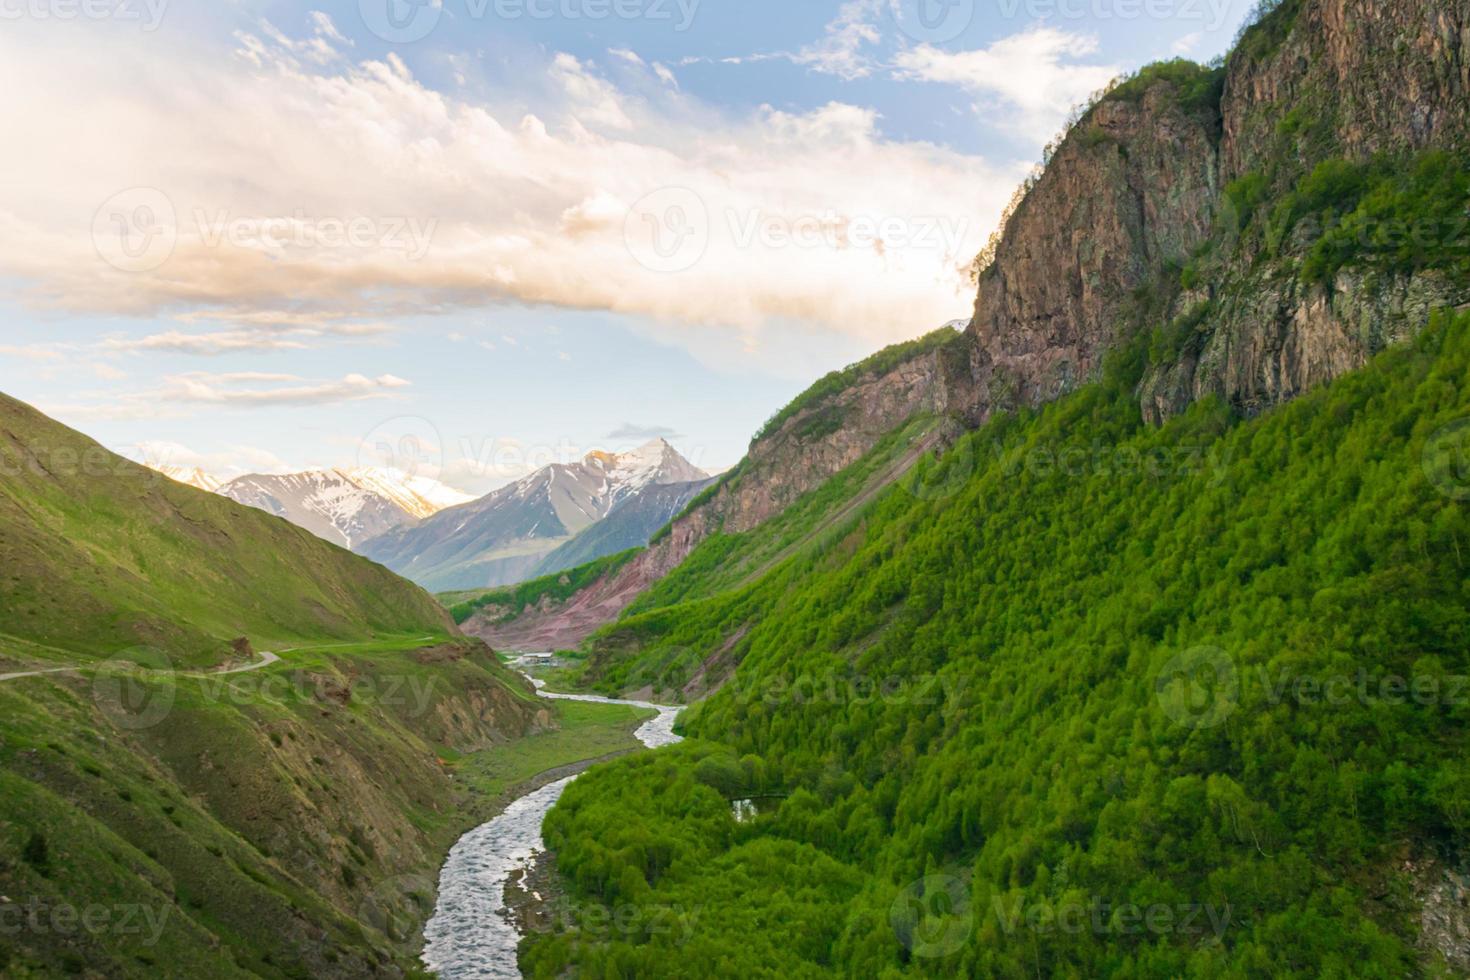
1137	192
1129	193
1381	75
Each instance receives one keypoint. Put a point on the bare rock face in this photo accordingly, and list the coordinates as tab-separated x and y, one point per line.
1133	189
1137	188
1276	338
1362	76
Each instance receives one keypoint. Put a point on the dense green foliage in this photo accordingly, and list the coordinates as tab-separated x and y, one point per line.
1196	87
560	586
1212	673
1387	215
1265	29
836	382
1389	219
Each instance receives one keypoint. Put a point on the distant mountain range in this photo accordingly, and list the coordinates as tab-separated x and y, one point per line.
190	476
558	517
344	506
629	525
511	534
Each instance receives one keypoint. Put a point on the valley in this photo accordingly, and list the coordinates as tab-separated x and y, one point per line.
1119	629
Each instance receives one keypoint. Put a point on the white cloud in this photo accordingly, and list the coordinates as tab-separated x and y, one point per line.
207	344
30	352
841	51
1034	76
1187	43
224	389
529	209
227	464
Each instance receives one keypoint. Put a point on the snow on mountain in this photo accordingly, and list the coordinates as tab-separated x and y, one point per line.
346	507
654	463
417	495
504	535
191	475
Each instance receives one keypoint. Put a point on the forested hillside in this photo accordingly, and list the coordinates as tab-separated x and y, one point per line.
1199	691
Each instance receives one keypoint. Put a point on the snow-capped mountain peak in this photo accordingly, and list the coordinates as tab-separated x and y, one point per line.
345	506
418	495
652	463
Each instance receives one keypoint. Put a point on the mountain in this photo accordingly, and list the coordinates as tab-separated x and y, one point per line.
630	524
191	476
1045	681
504	536
418	496
278	822
110	554
346	507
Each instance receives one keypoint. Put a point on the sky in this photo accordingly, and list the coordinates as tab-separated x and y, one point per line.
472	237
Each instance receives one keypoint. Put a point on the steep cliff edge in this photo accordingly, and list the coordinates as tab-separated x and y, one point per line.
1189	202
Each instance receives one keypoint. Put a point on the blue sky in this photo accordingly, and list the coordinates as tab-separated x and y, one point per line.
250	235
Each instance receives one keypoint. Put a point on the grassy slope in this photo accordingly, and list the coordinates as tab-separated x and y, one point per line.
283	822
99	555
1074	556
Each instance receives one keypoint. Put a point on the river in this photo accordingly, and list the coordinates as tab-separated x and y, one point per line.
470	936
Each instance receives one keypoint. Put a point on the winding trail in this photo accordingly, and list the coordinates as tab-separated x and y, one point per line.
470	936
266	659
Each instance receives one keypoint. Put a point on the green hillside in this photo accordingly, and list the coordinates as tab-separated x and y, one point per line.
159	818
1084	698
99	555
